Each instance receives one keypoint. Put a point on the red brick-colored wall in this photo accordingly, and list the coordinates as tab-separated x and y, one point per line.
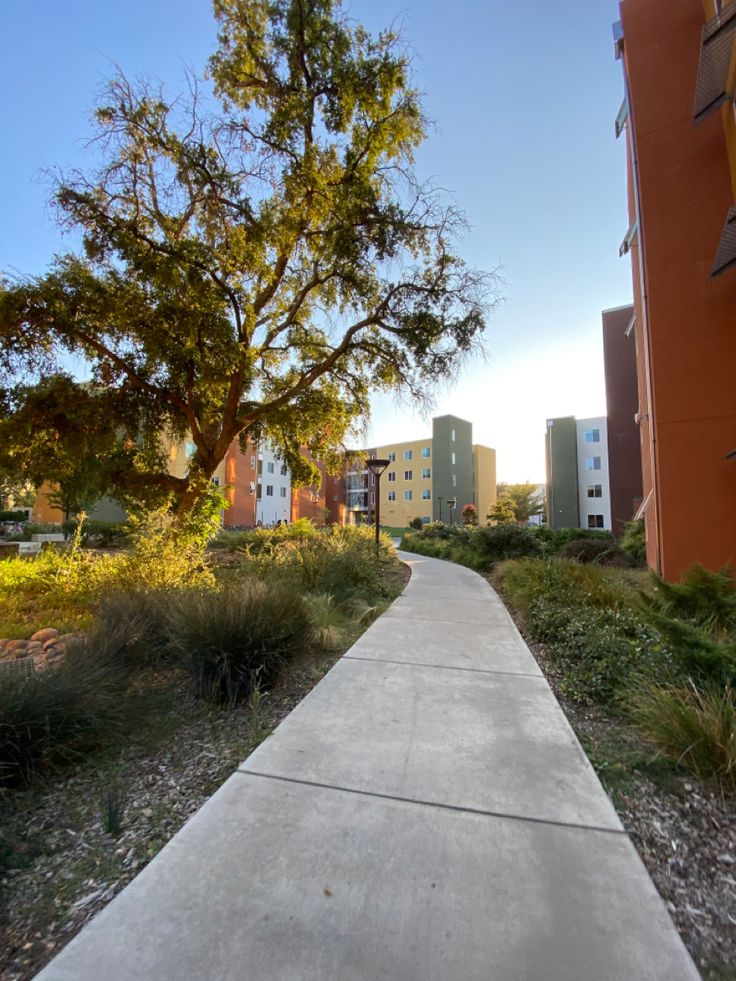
686	320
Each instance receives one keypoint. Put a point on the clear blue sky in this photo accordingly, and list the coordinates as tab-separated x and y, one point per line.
524	98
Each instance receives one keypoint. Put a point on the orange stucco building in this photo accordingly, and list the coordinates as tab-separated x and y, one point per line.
679	119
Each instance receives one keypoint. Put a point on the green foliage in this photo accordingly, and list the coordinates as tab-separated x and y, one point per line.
525	500
553	539
54	716
218	245
470	515
416	523
238	636
698	618
634	541
98	534
12	516
695	727
584	549
504	542
502	513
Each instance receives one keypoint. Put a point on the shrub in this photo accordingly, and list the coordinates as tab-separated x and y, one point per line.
634	541
698	618
237	637
12	516
566	583
552	539
416	523
500	542
98	534
584	549
696	728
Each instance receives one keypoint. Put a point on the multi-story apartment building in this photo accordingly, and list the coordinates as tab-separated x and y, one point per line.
423	475
679	121
578	494
622	404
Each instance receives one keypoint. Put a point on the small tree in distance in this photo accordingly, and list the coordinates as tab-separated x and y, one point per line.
257	270
524	500
470	515
502	513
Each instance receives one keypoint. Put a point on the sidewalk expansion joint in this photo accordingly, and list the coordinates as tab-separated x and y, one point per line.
458	808
441	667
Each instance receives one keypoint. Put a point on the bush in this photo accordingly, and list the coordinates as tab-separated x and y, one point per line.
500	542
698	618
634	541
416	523
98	534
12	516
77	705
138	619
553	539
583	549
696	728
238	637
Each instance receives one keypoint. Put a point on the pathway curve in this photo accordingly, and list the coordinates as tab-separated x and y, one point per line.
425	814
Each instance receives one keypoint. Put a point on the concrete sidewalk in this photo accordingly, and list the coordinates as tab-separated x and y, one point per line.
425	814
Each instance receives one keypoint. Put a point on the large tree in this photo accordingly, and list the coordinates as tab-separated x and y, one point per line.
257	268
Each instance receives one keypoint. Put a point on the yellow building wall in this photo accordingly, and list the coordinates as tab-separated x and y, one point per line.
484	480
400	512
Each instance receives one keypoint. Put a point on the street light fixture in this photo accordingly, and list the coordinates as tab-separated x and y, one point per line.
440	499
377	467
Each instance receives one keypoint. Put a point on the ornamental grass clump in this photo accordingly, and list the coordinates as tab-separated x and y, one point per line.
236	637
78	705
694	727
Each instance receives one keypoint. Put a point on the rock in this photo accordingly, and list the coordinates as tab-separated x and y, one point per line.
47	633
726	859
15	645
34	647
3	642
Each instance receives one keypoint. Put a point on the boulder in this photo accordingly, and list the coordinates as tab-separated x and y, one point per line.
48	633
13	646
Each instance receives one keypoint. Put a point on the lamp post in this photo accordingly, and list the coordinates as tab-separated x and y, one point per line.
440	500
377	467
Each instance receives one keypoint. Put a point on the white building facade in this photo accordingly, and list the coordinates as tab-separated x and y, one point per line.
594	496
273	488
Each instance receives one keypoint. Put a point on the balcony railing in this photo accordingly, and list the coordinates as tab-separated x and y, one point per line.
716	51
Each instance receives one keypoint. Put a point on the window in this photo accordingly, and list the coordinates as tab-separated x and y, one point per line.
392	475
269	490
426	519
426	495
284	470
407	454
408	495
253	462
593	463
454	480
595	520
408	475
454	461
270	467
426	452
595	490
373	479
216	481
260	465
258	492
453	435
392	457
426	472
282	491
392	495
592	435
373	498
